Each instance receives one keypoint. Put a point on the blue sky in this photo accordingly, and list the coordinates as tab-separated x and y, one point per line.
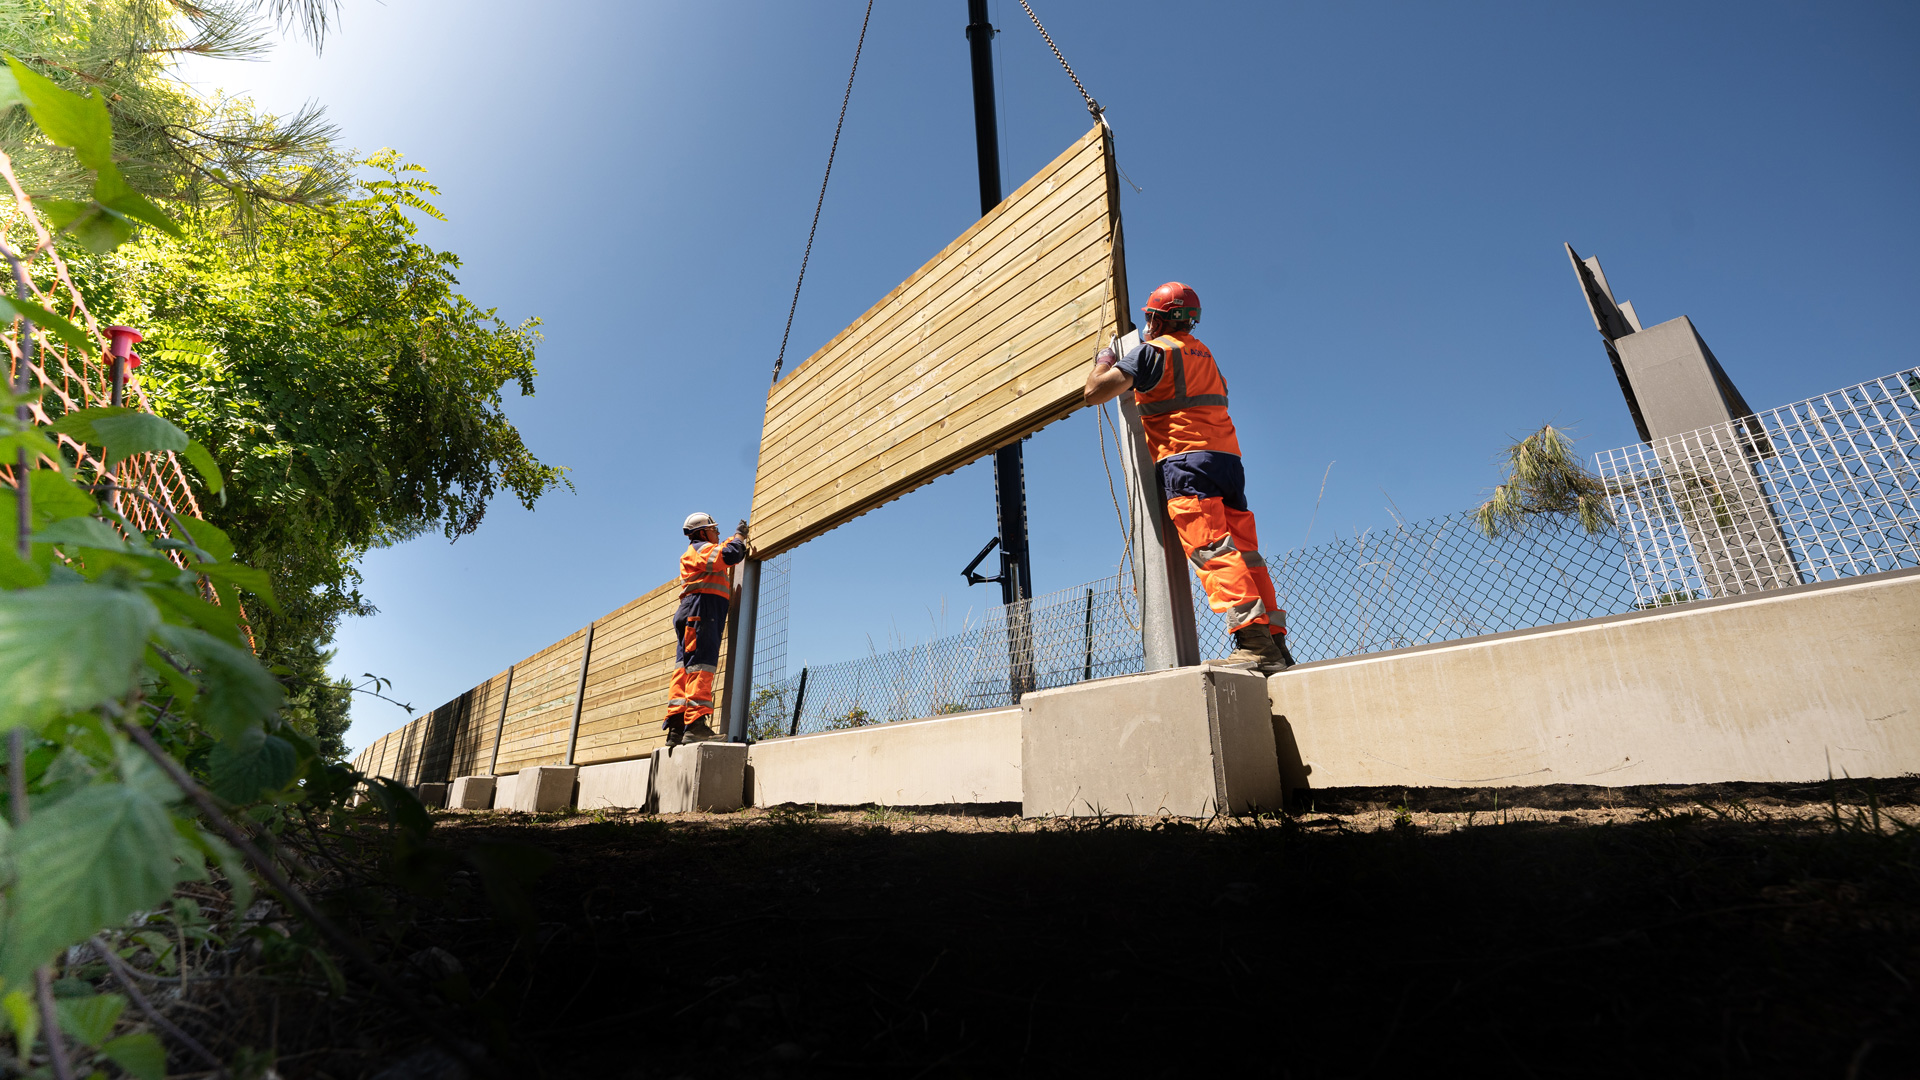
1370	199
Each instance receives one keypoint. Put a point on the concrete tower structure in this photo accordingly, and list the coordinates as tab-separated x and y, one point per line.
1708	440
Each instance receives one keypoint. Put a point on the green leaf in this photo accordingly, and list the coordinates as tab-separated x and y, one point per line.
209	538
120	431
183	608
140	1055
68	647
256	764
23	1017
82	532
10	94
203	464
12	308
112	192
88	862
102	230
90	1019
236	692
252	579
54	497
80	124
17	573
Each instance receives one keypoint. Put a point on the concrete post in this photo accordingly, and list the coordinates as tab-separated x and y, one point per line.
740	652
1168	638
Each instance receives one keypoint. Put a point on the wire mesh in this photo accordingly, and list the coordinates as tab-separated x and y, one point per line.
1820	489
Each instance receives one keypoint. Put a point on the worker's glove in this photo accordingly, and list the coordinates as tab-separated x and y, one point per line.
1105	358
740	530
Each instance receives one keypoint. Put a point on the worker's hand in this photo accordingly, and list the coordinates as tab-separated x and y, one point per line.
740	530
1105	358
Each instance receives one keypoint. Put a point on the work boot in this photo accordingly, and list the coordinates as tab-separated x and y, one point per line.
676	726
700	731
1257	649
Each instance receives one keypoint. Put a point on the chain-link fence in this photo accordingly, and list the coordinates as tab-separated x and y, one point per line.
1820	489
1823	488
1428	581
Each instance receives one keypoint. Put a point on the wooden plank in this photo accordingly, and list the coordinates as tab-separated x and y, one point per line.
958	346
950	388
541	706
939	297
968	354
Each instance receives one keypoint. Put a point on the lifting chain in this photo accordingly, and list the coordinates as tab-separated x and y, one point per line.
1092	105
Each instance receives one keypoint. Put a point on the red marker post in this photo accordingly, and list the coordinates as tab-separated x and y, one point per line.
121	353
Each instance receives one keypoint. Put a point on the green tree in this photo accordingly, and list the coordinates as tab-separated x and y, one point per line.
350	393
1545	478
170	142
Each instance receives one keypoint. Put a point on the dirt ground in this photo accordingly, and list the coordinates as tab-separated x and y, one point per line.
1563	932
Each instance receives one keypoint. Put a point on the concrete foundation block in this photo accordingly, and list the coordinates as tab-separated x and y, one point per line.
432	795
1190	742
700	776
967	758
542	789
471	793
621	785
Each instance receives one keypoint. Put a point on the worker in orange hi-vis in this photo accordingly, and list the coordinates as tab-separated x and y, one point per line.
698	625
1182	399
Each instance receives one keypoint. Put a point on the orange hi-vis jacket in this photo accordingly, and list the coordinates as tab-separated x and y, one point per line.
703	571
1187	409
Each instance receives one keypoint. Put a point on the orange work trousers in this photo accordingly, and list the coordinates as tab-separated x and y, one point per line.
1206	498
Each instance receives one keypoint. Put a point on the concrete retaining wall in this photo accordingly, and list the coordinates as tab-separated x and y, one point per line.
1779	686
960	758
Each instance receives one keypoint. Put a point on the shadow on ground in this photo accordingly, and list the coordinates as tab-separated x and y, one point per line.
1744	936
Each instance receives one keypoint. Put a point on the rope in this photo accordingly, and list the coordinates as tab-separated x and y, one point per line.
1102	421
1092	105
781	360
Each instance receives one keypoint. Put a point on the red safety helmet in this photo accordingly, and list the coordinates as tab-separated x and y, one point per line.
1174	301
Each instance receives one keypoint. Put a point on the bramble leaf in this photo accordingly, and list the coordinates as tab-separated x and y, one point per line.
80	124
121	431
68	647
88	862
140	1054
256	764
251	578
90	1019
203	464
209	538
11	308
82	532
236	693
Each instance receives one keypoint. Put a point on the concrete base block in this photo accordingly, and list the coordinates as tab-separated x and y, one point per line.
960	758
432	795
1787	685
542	789
700	776
1190	742
616	785
471	793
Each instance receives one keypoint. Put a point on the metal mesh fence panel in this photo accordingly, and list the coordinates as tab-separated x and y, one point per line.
1820	489
1442	579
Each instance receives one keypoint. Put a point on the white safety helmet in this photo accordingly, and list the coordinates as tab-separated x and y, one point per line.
696	522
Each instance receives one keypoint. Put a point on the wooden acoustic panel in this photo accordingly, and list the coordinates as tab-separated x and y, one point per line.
985	344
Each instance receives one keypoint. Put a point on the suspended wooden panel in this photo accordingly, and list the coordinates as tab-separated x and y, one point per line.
986	343
540	705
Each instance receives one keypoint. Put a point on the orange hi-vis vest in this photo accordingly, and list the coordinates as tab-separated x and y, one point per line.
1187	409
703	571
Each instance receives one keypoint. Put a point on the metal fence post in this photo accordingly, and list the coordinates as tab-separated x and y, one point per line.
580	693
740	653
799	702
1087	674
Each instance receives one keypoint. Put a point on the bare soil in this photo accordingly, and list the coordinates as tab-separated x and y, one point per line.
1733	931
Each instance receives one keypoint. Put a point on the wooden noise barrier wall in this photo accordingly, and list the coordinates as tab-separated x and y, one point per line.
984	345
